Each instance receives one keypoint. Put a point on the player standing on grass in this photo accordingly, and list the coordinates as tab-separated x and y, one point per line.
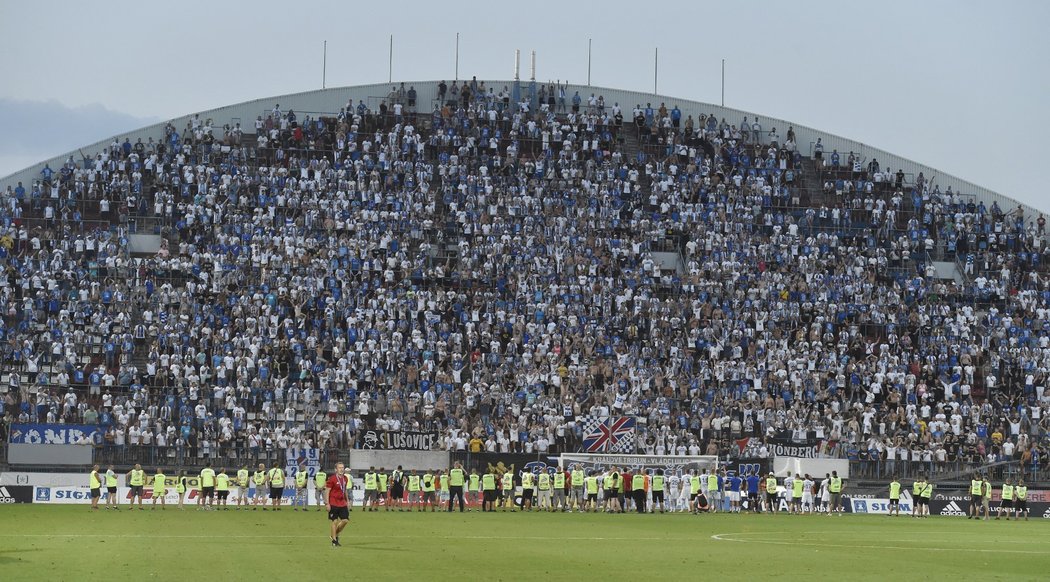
136	479
259	478
336	495
95	483
754	502
160	489
825	496
808	486
111	489
320	479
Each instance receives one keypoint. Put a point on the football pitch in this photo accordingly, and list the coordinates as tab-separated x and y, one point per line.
74	543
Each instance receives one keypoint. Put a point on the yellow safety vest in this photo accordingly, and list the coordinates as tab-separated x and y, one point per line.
277	477
301	478
207	478
242	477
488	482
413	483
658	482
138	477
159	482
371	481
222	482
545	481
320	479
455	477
771	484
1022	492
95	482
508	481
592	485
895	490
428	483
577	478
836	485
260	477
975	487
559	480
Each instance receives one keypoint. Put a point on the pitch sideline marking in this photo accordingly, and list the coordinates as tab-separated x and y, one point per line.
725	538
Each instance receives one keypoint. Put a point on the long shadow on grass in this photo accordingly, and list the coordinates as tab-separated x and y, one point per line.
372	546
4	559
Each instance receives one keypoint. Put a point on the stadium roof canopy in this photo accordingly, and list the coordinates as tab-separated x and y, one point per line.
329	101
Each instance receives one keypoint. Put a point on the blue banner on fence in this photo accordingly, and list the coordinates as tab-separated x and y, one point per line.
54	434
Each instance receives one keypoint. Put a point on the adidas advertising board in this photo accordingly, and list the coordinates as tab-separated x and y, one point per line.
959	507
15	494
952	508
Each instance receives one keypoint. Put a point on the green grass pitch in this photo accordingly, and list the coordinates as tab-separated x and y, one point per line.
73	543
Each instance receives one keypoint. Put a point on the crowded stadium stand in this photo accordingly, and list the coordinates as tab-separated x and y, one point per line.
493	261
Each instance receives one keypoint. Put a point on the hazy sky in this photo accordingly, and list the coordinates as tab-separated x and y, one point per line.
956	85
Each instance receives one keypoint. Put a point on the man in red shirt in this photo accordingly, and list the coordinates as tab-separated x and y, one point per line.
337	496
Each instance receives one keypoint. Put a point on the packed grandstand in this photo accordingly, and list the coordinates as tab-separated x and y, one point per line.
494	266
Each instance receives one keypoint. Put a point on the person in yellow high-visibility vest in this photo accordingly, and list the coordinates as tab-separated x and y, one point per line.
320	482
488	491
95	483
222	488
457	478
506	492
276	479
1021	500
243	482
160	489
976	492
259	481
302	478
1006	500
895	497
414	489
428	484
136	479
590	485
207	484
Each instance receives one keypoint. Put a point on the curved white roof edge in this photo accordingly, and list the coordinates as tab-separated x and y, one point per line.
322	101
